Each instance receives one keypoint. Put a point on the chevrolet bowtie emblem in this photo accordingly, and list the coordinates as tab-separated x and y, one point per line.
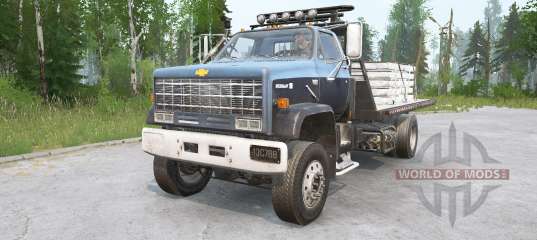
202	72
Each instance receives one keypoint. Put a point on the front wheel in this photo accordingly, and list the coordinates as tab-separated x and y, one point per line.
179	178
300	195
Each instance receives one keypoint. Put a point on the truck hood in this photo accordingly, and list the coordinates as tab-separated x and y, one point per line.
250	69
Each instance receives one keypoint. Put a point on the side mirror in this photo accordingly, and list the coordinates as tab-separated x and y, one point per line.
354	40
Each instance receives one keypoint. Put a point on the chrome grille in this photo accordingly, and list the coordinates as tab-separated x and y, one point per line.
212	96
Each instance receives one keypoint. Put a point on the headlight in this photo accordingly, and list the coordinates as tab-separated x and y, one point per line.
163	118
248	124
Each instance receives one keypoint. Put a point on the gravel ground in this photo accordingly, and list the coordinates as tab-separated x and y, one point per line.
110	193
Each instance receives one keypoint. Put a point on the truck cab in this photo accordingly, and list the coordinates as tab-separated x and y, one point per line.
269	59
282	105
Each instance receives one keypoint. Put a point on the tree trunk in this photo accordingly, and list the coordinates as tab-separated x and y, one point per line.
21	18
99	30
41	50
133	49
446	61
394	47
534	74
440	66
419	54
487	68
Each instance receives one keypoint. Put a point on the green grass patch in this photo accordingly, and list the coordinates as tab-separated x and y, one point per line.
461	103
27	124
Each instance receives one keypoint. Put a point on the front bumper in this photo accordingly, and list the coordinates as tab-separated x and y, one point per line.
170	144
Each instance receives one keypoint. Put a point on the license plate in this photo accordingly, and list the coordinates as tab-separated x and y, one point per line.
265	154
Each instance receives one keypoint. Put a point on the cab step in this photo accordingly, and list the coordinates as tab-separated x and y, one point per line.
345	164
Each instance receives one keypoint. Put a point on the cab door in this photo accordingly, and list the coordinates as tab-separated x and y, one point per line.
333	72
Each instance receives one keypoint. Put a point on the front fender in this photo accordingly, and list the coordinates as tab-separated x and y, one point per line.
287	123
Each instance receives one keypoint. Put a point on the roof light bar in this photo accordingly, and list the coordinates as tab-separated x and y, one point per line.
316	15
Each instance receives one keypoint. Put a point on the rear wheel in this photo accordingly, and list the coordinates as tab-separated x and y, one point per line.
407	136
301	194
179	178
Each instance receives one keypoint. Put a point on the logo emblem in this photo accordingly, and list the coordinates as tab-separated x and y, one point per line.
447	179
202	72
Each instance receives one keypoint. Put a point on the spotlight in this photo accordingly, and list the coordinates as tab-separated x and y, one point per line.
312	13
299	15
273	17
261	19
286	16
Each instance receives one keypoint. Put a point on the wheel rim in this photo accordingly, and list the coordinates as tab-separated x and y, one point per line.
313	184
413	138
190	174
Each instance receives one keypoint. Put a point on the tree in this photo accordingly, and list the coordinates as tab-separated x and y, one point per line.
492	20
508	50
462	40
109	28
404	24
421	63
63	46
203	17
473	56
367	40
50	42
40	49
96	16
26	61
403	42
529	36
157	43
487	58
433	44
134	40
207	15
529	26
493	13
8	35
446	51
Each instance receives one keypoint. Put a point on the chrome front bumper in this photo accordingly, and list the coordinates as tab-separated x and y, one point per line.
170	144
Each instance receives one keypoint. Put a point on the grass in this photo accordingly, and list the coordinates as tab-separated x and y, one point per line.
461	103
27	124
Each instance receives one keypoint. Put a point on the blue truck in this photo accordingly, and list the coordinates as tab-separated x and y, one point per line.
281	105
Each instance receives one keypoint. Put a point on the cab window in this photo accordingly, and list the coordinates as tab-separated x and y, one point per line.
243	48
328	47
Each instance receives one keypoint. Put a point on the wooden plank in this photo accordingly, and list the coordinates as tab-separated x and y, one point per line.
390	76
392	92
391	84
394	67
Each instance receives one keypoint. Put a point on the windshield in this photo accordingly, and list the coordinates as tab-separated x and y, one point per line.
284	44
